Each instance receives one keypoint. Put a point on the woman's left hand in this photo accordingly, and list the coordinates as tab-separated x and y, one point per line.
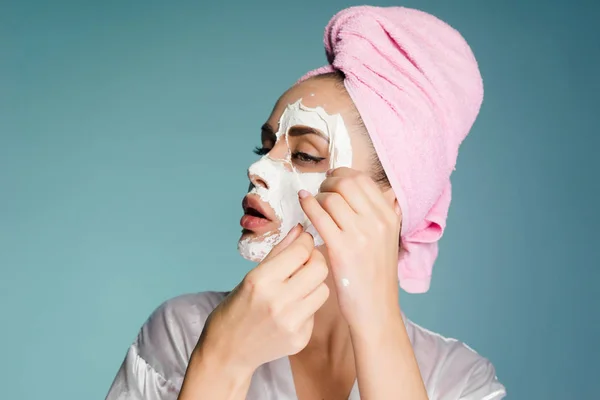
361	229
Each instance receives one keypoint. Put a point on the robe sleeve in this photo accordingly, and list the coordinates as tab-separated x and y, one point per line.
482	383
156	362
138	380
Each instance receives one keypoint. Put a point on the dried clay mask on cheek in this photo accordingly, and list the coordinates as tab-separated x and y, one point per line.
284	181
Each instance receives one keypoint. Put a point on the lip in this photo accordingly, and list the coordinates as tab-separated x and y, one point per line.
252	222
251	202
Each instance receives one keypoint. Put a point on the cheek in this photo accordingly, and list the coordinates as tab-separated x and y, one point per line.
310	182
341	152
361	162
362	151
285	198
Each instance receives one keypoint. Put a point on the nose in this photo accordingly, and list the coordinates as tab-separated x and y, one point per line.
256	181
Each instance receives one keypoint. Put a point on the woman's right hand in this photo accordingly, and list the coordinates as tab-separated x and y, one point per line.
270	314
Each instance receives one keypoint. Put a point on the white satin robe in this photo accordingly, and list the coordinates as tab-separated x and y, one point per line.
155	363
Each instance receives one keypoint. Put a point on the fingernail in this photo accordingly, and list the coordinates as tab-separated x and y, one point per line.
303	194
329	172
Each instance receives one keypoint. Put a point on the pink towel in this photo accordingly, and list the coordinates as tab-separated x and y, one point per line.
417	86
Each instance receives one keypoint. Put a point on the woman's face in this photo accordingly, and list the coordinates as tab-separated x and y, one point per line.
312	128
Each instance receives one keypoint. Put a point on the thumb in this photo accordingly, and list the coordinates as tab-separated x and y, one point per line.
287	240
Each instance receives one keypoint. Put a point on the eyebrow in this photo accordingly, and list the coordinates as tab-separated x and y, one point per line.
268	132
299	130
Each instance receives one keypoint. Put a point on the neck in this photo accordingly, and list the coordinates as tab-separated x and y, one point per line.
330	328
331	335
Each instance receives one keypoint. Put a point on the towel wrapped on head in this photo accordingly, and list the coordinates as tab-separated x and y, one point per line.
418	89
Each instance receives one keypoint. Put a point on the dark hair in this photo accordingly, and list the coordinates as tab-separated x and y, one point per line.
377	172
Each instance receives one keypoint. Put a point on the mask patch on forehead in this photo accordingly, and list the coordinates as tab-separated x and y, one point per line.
332	126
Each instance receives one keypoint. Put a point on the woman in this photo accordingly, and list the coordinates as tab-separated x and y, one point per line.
349	199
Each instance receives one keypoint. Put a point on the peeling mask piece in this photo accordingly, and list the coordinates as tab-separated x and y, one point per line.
283	181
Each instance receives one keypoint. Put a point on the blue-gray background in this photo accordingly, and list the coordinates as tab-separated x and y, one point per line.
126	128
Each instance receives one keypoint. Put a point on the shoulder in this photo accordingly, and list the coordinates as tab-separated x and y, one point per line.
451	369
169	335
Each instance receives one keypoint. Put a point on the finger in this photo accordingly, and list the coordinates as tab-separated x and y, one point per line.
362	180
354	194
307	278
284	264
311	303
338	209
342	172
322	221
287	240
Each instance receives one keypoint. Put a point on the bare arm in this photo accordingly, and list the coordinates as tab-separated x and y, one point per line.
211	375
386	367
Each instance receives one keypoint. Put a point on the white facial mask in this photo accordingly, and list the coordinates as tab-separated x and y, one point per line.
284	181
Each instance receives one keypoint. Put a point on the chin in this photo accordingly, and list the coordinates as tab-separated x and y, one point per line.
254	246
255	259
